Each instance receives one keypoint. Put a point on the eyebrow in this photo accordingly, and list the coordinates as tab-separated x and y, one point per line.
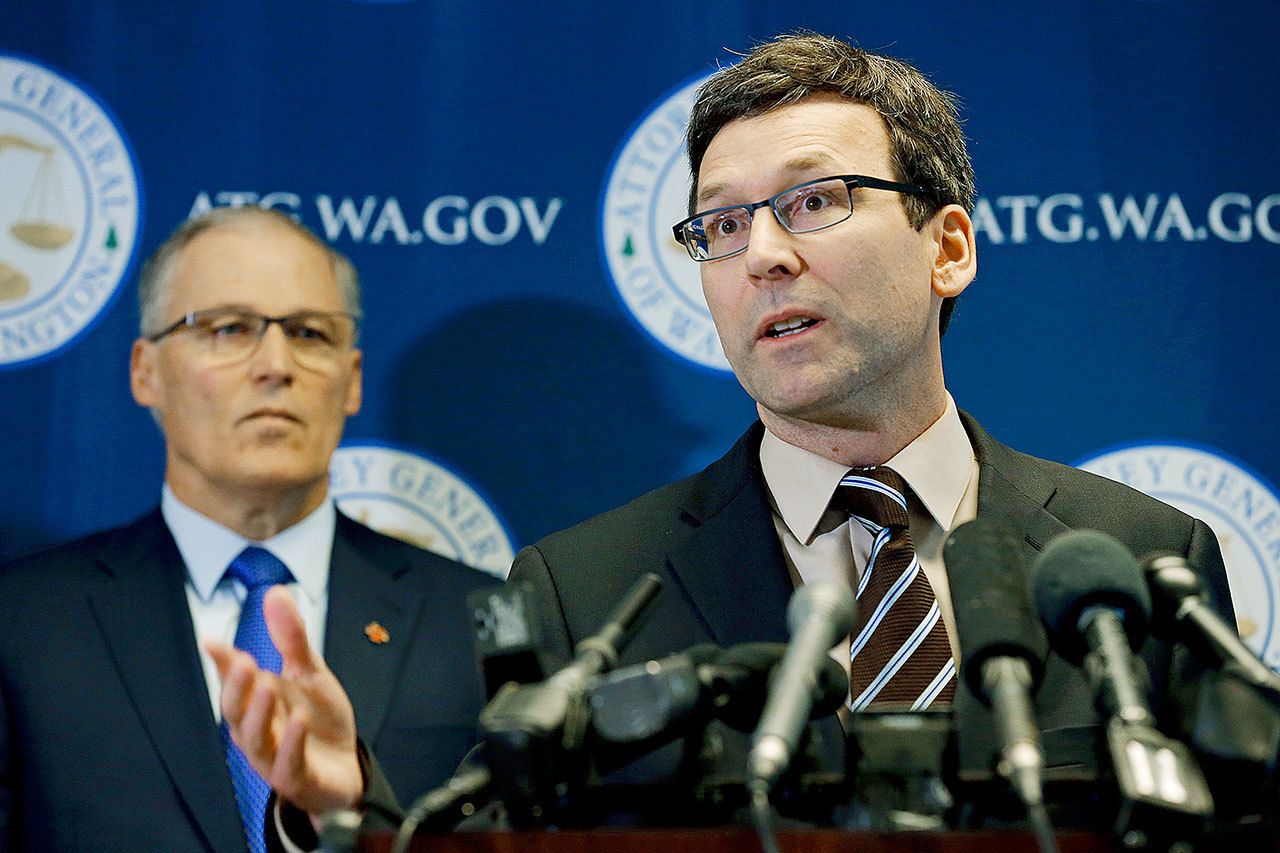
793	167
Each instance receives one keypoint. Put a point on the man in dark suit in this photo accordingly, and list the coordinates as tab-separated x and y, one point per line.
830	217
109	722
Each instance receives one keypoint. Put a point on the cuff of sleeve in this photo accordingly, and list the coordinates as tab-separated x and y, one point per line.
293	826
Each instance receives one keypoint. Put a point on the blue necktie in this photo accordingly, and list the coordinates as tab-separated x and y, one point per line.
258	570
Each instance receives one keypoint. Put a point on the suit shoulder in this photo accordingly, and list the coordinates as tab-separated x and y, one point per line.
1084	499
78	554
429	567
649	521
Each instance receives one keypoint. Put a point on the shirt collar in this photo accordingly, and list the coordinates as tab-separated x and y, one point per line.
208	548
936	465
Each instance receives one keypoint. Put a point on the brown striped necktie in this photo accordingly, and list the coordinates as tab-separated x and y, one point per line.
900	657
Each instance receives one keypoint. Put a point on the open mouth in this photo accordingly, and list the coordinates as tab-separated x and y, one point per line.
791	326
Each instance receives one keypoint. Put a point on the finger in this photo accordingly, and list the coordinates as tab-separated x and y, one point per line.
221	653
237	687
256	737
291	756
288	632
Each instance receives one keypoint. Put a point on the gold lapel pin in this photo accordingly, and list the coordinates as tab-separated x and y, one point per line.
377	634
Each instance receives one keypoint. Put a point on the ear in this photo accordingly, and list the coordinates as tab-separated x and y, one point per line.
956	255
142	373
355	385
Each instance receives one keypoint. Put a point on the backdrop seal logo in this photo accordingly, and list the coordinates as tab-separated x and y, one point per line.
645	193
70	208
1240	506
406	495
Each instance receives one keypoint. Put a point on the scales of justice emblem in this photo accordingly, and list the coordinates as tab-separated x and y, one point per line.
70	210
42	222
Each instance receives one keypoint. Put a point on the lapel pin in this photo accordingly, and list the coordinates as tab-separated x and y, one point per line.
377	634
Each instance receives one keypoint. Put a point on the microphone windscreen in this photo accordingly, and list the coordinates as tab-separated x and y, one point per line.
991	602
1082	569
646	699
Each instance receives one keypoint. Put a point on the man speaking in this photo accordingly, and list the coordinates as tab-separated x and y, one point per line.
110	735
830	219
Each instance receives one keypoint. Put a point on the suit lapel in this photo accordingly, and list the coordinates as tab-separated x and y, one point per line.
363	592
1014	492
143	615
733	570
731	566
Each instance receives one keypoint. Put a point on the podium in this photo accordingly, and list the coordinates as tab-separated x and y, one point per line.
737	840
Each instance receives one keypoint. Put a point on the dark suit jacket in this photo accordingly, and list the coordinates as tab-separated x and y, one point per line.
712	541
107	739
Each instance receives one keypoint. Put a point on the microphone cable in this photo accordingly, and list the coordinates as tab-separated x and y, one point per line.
458	795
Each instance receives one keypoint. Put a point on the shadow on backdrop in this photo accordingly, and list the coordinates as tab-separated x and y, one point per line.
18	539
554	411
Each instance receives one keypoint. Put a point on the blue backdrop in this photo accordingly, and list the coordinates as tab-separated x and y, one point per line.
463	154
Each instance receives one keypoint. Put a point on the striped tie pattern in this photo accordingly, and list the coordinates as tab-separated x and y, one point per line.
900	657
259	570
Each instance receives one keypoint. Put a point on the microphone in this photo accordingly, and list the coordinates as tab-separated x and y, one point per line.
819	615
1180	608
507	641
1003	646
440	809
645	700
660	700
533	734
1094	602
1235	720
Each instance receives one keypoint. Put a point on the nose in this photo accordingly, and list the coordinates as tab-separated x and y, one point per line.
770	253
273	359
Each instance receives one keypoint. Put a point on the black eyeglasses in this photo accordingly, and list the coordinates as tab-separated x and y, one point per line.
229	335
811	206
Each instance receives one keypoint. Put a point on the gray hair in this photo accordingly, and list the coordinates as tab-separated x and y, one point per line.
153	282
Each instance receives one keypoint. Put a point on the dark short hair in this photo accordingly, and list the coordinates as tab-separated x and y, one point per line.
922	121
153	282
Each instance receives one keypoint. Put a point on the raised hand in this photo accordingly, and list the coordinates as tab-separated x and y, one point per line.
297	728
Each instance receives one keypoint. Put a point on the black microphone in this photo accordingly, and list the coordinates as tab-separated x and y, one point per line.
1094	601
647	699
1002	644
533	734
507	641
442	808
1234	723
819	616
1180	610
660	700
742	677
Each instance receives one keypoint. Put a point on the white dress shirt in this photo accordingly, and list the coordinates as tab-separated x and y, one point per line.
818	543
208	548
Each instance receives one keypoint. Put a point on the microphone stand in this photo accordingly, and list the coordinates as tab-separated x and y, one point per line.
530	732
